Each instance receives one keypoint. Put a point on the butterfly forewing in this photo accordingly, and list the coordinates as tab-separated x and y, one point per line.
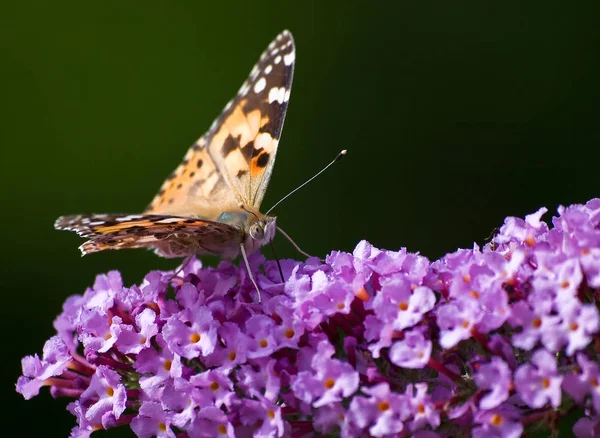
233	161
244	140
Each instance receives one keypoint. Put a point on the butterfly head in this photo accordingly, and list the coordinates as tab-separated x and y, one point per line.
259	232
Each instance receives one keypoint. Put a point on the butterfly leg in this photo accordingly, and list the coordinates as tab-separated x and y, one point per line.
183	265
277	258
245	257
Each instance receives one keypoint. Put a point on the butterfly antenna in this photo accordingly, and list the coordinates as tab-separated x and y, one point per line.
245	257
277	259
336	159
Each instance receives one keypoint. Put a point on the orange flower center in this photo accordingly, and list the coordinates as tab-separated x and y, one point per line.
195	337
329	383
362	295
383	406
530	241
496	420
167	365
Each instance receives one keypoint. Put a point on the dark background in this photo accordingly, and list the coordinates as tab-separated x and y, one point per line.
455	115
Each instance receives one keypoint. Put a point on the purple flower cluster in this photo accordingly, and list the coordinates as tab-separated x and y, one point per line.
483	342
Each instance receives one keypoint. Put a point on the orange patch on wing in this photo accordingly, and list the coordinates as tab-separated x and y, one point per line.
107	229
197	223
259	164
196	185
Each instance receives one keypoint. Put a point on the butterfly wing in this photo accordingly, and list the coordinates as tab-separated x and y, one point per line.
171	236
232	163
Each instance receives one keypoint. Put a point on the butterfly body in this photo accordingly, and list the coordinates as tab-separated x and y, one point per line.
210	203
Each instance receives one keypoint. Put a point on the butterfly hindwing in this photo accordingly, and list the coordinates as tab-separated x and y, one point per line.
172	236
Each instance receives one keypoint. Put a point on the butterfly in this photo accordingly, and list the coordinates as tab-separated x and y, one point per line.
210	203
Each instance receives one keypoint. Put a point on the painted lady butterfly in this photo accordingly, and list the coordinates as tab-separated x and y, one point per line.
210	203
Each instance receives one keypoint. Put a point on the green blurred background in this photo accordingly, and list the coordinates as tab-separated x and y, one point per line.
455	115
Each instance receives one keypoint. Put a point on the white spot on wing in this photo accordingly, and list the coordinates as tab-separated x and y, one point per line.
277	94
131	217
289	58
169	220
277	59
268	69
260	85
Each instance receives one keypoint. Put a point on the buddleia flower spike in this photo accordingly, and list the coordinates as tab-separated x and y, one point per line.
493	341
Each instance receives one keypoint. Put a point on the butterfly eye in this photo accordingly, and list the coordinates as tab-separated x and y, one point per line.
257	232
